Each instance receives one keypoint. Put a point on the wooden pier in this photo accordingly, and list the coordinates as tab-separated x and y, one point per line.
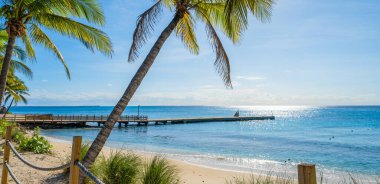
83	120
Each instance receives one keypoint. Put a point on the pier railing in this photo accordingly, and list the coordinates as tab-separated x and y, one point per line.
68	118
75	165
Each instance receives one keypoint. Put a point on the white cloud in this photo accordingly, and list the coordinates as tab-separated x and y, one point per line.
70	96
44	80
250	77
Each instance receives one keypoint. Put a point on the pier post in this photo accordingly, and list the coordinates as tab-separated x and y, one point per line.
98	124
307	174
126	124
119	125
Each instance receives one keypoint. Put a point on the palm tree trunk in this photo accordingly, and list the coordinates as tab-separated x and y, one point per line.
6	64
10	105
102	136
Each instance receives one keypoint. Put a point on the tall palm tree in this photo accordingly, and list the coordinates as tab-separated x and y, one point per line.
186	13
28	20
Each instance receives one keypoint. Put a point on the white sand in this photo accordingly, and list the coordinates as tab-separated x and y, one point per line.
189	173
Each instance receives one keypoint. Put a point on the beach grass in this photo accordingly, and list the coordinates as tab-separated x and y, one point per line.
128	168
160	171
119	167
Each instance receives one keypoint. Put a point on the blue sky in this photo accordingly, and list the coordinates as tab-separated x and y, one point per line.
311	53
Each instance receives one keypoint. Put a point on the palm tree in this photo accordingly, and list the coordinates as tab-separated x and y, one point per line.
28	21
186	12
16	91
14	85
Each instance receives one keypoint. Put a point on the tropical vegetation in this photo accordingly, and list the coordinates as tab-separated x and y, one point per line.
15	89
119	168
34	143
128	168
229	16
29	21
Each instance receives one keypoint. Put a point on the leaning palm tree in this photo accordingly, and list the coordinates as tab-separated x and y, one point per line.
29	19
186	13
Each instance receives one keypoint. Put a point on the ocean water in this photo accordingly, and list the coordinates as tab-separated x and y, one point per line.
337	139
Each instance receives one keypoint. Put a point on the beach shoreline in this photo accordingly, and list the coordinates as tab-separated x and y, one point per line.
203	172
189	173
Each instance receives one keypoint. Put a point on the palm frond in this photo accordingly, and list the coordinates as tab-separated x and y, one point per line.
222	62
45	6
262	9
236	12
145	25
8	96
19	53
214	13
23	99
38	36
90	37
28	46
89	9
22	67
3	36
185	30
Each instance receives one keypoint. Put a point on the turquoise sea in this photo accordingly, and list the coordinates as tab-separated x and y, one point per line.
338	139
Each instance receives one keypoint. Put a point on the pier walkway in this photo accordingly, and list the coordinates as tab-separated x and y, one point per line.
82	120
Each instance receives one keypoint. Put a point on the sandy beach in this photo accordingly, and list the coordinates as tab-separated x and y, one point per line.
189	173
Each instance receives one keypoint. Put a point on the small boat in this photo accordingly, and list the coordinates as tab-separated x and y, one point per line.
237	113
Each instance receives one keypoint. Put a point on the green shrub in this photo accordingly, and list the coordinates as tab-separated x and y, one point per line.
159	171
18	134
119	168
36	143
3	127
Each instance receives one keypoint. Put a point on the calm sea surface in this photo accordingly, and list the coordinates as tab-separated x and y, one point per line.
337	139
